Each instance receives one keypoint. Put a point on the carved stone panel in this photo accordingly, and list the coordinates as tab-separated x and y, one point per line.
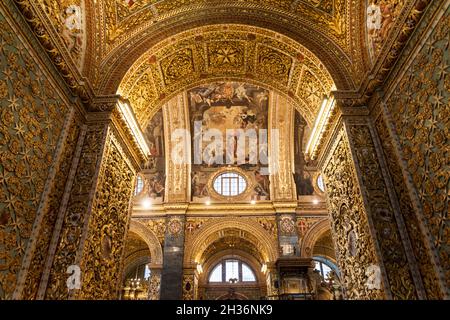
382	215
178	142
356	251
281	118
108	224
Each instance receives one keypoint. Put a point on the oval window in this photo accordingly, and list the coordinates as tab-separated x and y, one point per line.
320	183
230	184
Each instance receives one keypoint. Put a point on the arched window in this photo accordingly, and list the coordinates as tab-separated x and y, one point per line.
230	184
231	271
320	183
139	185
325	267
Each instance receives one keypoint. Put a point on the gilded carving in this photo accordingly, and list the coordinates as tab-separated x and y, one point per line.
178	66
31	121
273	63
417	239
382	215
154	285
73	225
199	58
350	228
419	113
50	215
107	228
188	287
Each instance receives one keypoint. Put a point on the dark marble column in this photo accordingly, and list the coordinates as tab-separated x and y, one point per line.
172	271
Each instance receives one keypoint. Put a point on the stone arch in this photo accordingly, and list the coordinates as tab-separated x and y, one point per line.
312	235
211	230
150	239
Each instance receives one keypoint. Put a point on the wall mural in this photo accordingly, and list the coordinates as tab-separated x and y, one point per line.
154	169
381	17
68	18
303	179
222	108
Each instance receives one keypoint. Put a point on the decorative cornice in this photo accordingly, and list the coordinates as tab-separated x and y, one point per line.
391	51
56	50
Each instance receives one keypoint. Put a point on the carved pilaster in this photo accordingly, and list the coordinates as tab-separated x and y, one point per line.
288	240
103	241
178	149
357	252
382	215
281	120
93	218
154	284
189	284
69	227
421	248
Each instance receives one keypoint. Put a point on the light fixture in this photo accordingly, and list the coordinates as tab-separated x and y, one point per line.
208	202
130	120
319	124
147	203
253	202
315	201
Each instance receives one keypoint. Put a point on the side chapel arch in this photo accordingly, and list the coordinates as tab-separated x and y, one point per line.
150	239
210	231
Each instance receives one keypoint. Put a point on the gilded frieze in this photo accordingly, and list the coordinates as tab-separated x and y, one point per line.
188	287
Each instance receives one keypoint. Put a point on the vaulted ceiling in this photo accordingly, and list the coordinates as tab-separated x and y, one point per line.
113	36
224	52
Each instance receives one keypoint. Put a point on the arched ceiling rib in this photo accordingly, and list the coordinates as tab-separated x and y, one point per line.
226	52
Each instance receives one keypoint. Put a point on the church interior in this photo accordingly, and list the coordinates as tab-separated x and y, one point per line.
224	150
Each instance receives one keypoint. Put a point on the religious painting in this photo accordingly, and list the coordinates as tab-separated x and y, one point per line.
302	178
72	28
380	16
229	128
229	110
303	183
154	168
